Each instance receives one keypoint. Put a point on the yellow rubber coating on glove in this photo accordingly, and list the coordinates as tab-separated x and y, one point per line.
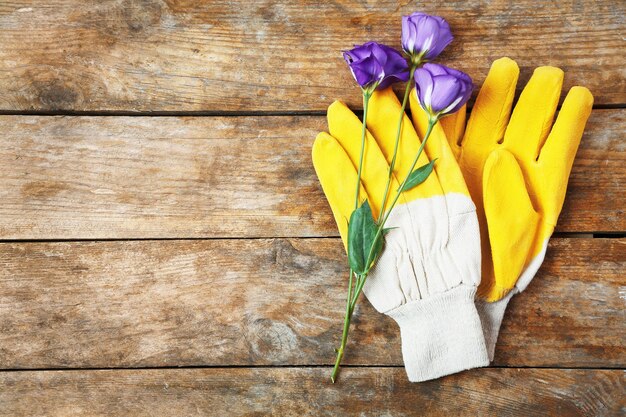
517	170
336	158
502	173
331	164
346	128
382	121
336	162
453	127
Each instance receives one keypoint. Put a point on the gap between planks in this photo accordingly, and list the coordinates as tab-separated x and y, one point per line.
288	366
216	113
556	235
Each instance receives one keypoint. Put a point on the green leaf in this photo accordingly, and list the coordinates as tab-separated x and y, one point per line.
387	230
418	176
362	239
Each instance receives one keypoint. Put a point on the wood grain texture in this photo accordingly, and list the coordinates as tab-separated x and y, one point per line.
271	302
300	392
255	311
171	177
220	55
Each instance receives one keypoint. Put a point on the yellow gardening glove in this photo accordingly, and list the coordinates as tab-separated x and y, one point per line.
517	172
429	270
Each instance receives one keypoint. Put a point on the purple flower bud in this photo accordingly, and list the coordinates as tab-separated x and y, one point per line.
441	90
374	65
424	35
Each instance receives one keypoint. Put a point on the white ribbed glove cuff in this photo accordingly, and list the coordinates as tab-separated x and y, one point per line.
441	335
491	315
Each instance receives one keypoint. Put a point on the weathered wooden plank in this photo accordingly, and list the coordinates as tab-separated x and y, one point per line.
270	302
308	392
157	177
182	55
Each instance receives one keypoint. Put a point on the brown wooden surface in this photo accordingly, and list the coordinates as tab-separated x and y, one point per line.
287	392
271	302
186	55
159	210
155	177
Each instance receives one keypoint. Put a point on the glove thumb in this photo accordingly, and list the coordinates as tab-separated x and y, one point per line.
512	222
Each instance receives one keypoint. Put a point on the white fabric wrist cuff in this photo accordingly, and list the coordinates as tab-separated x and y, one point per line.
491	315
441	335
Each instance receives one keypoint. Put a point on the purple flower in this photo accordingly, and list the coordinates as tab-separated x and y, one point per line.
374	65
424	36
441	90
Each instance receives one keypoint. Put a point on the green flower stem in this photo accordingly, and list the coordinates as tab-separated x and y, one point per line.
395	149
366	100
346	328
349	304
358	287
360	279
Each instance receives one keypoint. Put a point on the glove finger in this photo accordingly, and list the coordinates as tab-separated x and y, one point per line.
382	122
447	169
557	155
346	128
533	114
338	178
512	223
490	115
453	127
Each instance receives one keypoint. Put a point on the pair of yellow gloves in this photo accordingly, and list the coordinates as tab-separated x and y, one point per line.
497	191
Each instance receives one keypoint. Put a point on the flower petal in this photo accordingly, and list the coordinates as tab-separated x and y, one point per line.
378	65
446	90
425	34
423	84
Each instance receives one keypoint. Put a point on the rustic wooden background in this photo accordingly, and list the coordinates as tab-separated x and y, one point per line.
166	248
